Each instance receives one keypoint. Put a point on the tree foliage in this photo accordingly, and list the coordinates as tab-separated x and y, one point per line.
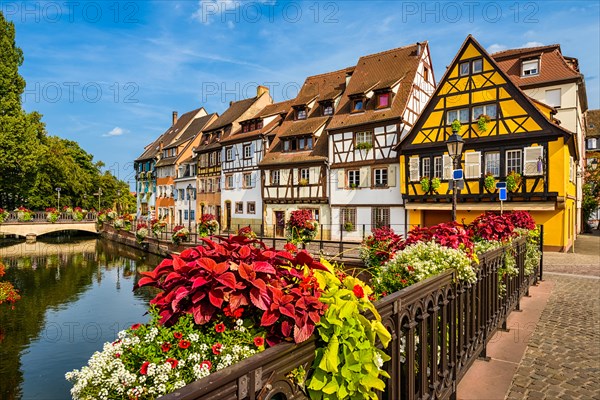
32	163
591	192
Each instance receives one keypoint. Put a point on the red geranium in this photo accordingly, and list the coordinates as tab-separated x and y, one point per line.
135	327
177	335
184	344
290	247
220	328
173	362
358	291
259	341
166	346
144	368
206	364
216	349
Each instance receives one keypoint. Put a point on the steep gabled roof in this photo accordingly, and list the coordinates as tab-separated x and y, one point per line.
593	123
323	87
236	110
544	121
379	71
169	135
194	129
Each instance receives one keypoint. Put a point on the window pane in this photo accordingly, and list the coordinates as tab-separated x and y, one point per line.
358	105
464	68
513	161
452	115
464	115
286	145
384	100
437	167
477	111
492	163
491	111
426	167
309	143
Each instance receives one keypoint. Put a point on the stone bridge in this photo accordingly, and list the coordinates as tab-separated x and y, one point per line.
39	225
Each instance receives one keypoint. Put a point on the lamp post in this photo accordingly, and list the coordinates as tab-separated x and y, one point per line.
57	199
455	145
189	189
118	203
98	193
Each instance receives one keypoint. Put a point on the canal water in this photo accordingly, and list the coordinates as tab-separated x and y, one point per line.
77	293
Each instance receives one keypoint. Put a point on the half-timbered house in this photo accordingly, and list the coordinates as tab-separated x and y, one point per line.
294	170
212	155
384	95
508	137
546	75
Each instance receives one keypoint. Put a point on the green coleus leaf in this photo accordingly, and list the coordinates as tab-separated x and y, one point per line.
331	387
318	381
382	333
349	308
331	359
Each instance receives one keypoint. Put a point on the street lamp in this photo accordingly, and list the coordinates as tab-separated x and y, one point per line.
57	199
455	145
98	193
118	204
190	191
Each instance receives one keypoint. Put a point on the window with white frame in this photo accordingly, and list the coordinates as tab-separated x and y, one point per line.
533	161
553	97
251	207
212	158
437	167
463	68
353	177
413	169
229	154
380	217
477	65
488	109
514	161
426	167
209	185
492	163
304	175
247	151
592	143
461	114
248	180
229	182
363	137
348	219
530	67
380	177
275	177
239	207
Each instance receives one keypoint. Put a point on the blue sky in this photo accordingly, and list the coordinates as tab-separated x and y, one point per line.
109	73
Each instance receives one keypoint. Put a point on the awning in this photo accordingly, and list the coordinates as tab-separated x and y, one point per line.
495	206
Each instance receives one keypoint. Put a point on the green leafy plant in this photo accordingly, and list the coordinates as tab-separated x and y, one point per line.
489	182
425	184
3	215
456	125
482	122
435	184
349	227
363	146
348	364
513	181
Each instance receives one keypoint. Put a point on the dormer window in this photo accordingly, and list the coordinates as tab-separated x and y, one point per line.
301	113
327	108
530	67
463	68
358	105
298	144
383	100
250	126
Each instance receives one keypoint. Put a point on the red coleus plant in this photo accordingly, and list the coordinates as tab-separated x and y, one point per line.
302	219
448	234
491	226
521	219
214	281
380	246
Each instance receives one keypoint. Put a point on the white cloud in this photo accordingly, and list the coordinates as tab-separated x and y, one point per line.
496	48
116	132
532	44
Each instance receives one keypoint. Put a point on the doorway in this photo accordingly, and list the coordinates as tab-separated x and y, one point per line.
218	215
279	223
227	215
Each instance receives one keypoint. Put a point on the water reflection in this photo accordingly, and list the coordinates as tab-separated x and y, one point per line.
76	295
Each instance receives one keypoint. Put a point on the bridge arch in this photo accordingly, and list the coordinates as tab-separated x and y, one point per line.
31	231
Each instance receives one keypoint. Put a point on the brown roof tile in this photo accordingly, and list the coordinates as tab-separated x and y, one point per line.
321	87
235	110
195	128
593	123
378	71
553	65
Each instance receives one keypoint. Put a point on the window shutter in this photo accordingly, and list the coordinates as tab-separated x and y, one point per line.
365	177
473	165
413	169
295	176
392	175
313	175
284	177
447	166
341	179
534	161
571	170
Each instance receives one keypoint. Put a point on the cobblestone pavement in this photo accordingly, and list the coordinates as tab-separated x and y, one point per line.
562	360
584	261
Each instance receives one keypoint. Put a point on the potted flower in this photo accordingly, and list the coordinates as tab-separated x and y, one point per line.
435	184
208	226
52	214
24	214
118	223
456	125
141	232
78	213
158	226
425	184
301	227
364	146
180	234
127	221
513	181
348	226
482	122
111	215
489	182
3	215
303	182
247	232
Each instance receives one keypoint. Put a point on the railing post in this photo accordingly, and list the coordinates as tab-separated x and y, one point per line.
541	253
321	241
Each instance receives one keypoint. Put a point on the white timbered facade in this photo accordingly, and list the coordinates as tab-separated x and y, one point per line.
385	94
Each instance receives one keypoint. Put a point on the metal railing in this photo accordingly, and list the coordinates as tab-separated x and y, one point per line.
439	328
41	217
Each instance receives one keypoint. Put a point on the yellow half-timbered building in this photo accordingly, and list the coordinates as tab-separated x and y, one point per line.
508	137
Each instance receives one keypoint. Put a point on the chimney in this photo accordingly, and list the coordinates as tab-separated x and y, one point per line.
260	90
418	49
174	117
